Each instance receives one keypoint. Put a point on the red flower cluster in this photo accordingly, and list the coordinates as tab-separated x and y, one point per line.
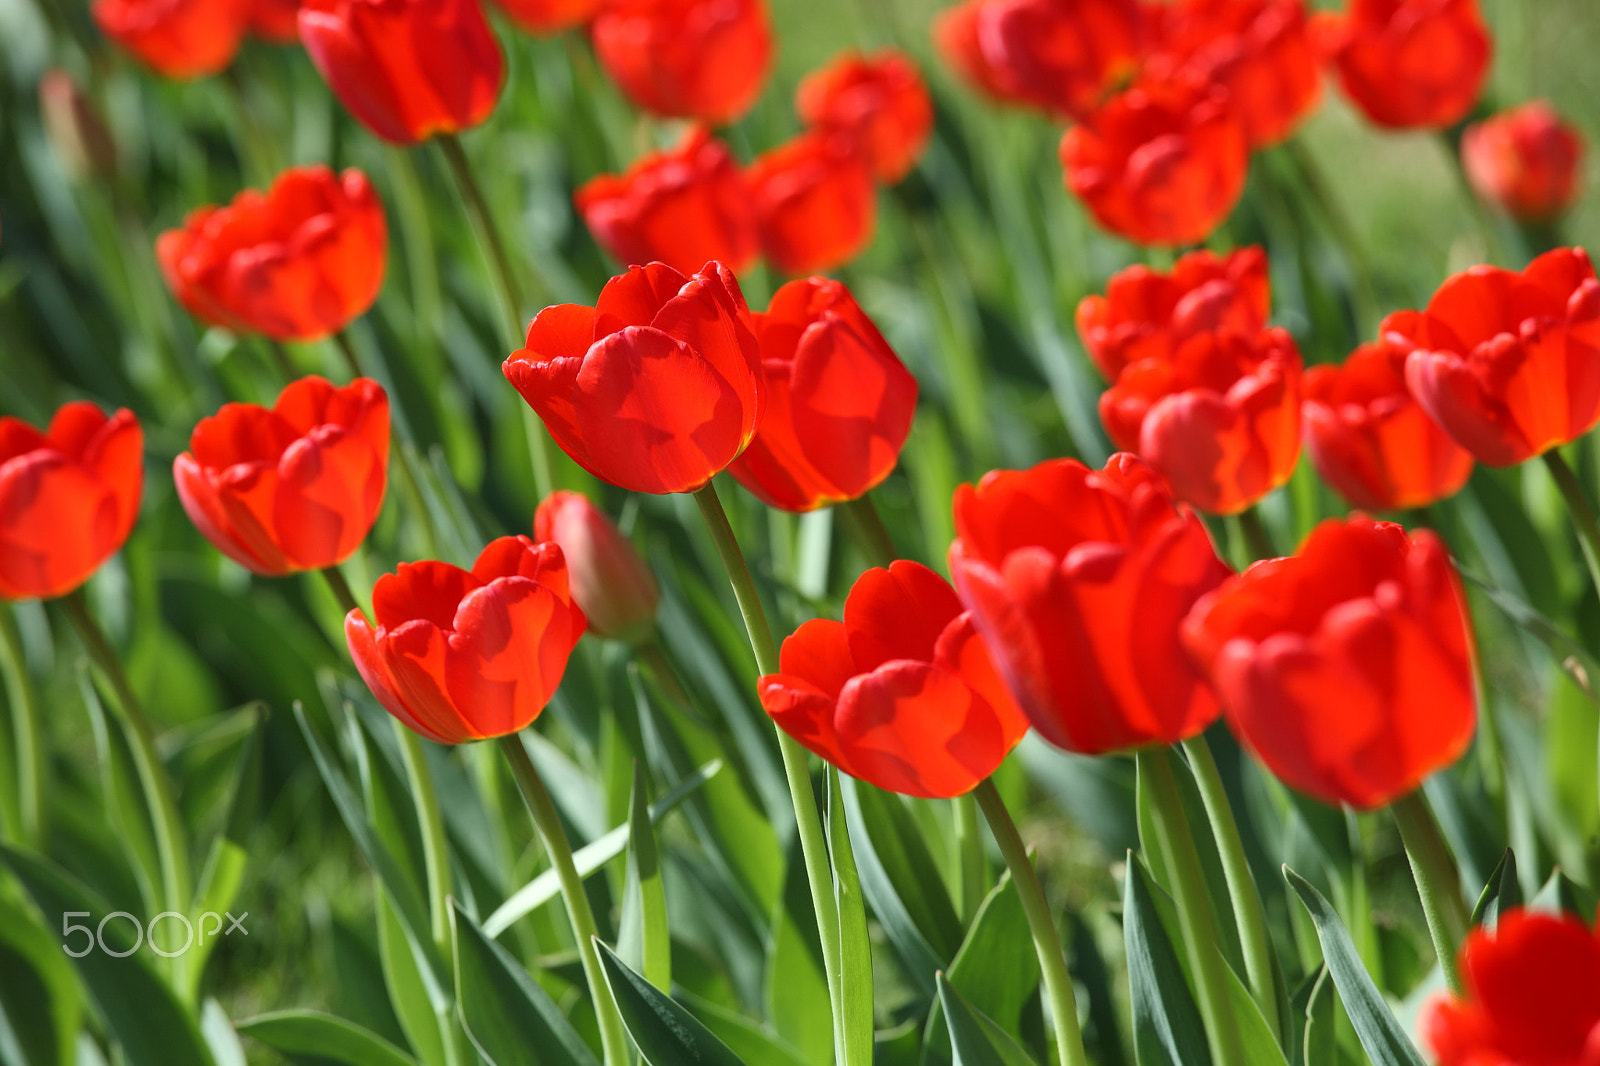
809	204
1526	160
1202	390
1408	63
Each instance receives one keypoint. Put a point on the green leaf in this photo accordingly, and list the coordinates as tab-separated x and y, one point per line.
313	1037
508	1015
796	993
223	872
975	1040
125	809
665	1033
1582	668
141	1012
643	934
997	969
1501	894
1376	1027
39	998
751	1040
418	1004
1167	1030
1562	895
855	949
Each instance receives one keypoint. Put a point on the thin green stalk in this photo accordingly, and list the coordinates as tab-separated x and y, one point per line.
278	355
1344	233
1256	538
870	531
347	352
613	1042
25	722
654	658
1248	913
1578	506
969	848
1046	941
343	594
813	842
1170	829
1438	882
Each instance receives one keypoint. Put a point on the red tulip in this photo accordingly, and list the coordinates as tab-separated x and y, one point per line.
1259	50
815	203
1148	315
407	69
1533	996
176	38
1408	63
1220	420
657	387
610	582
1077	580
704	59
68	498
1346	668
839	401
295	487
461	655
1064	56
1508	363
902	693
879	104
1162	163
681	207
277	21
1371	441
550	16
1526	159
299	262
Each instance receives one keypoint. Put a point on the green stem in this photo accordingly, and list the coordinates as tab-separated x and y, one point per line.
969	847
281	363
25	722
1364	298
1248	913
1582	514
870	531
1256	538
347	352
1438	882
1172	840
613	1042
1046	941
654	658
813	842
340	587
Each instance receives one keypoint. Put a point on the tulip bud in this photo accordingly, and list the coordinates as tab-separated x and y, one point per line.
76	131
1526	160
610	582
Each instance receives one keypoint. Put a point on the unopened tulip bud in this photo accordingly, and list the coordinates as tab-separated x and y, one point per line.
76	131
610	582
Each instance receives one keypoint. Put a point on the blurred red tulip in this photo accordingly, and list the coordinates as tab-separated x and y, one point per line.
277	21
1371	441
839	401
1220	420
1259	50
550	16
704	59
462	655
1162	163
1064	56
1533	996
1346	668
1147	315
681	207
1508	363
1078	579
68	498
610	582
878	104
294	487
299	262
1526	160
815	203
657	387
1408	63
406	69
176	38
902	693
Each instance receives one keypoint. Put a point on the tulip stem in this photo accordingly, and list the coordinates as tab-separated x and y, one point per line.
25	721
347	351
1046	941
1438	882
813	842
613	1042
872	534
1254	938
1257	541
1582	513
1169	838
969	845
340	587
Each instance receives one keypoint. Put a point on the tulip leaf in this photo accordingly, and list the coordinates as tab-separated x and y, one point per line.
126	809
1501	894
1580	666
311	1037
1380	1033
975	1039
751	1040
855	949
589	858
140	1010
417	1002
1561	895
1167	1029
39	1000
643	934
997	969
796	994
508	1015
224	869
664	1032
